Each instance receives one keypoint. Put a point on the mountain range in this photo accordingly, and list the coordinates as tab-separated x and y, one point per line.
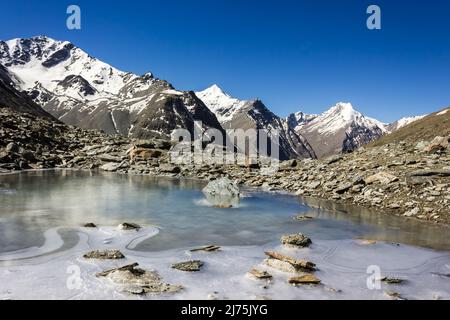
80	90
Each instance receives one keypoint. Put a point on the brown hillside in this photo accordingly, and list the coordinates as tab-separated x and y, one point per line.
435	124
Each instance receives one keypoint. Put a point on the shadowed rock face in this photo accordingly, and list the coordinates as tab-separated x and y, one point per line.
15	100
253	114
72	81
58	56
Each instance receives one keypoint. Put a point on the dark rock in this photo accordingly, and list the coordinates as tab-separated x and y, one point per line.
343	188
296	240
90	225
206	248
190	266
104	255
129	226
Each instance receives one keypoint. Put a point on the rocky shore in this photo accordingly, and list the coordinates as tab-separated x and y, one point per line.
404	178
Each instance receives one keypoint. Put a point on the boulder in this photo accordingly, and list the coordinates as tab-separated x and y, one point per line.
437	144
222	193
298	264
135	280
280	265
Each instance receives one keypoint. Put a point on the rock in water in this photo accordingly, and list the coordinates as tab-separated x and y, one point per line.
129	226
105	254
138	281
296	240
193	265
260	274
209	248
392	280
90	225
297	264
304	279
222	193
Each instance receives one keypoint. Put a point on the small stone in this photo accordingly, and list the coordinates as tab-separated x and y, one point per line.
395	295
260	274
392	280
302	218
12	147
343	188
90	225
304	279
313	184
296	240
366	242
169	168
382	177
412	212
104	255
190	266
206	248
129	226
110	167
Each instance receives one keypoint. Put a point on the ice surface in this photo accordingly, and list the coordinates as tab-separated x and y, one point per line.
41	245
342	268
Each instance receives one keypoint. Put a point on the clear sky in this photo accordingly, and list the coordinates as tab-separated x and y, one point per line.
294	55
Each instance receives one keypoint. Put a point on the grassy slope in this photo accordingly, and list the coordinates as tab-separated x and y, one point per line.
426	129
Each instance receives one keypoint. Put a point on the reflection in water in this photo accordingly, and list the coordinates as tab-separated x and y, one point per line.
49	199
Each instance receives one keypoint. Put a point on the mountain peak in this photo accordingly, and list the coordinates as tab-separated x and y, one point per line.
214	90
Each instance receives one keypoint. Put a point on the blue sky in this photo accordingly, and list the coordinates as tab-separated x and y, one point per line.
294	55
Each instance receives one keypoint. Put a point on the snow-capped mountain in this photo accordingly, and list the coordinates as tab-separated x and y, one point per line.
82	90
394	126
12	99
297	119
253	114
339	129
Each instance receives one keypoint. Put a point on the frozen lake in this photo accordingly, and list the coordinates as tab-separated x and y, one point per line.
41	240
